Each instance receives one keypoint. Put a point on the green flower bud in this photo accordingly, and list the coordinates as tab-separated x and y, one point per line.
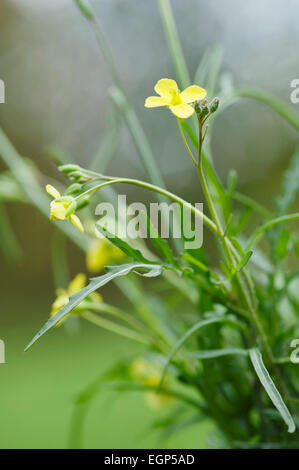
73	188
197	106
83	202
214	105
204	110
78	176
69	167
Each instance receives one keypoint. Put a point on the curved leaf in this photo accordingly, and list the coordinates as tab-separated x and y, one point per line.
285	110
94	284
194	329
212	353
269	386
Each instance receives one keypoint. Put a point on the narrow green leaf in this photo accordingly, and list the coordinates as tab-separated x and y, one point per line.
159	243
212	353
85	8
270	388
285	110
174	43
123	245
94	284
194	329
243	262
279	220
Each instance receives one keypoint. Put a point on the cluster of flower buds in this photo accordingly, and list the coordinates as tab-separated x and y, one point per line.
204	109
75	173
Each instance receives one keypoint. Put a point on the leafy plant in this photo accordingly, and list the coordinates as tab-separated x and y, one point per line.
216	344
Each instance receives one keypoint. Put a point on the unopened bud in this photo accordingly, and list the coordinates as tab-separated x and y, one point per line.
214	105
78	176
73	188
69	167
197	106
205	110
83	202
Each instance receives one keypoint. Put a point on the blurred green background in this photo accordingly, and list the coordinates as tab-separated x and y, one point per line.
57	94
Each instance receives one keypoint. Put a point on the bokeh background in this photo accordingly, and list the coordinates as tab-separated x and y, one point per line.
57	93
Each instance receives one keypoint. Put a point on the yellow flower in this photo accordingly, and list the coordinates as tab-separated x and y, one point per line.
63	295
178	102
101	253
149	374
58	208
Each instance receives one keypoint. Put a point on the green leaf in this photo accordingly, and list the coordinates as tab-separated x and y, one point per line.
270	388
159	243
174	43
123	245
94	284
283	109
212	353
194	329
207	73
290	185
243	262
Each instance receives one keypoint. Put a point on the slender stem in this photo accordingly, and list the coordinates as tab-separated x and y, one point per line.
185	142
230	257
271	223
157	189
111	310
114	327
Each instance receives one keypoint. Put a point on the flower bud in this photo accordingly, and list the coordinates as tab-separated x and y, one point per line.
73	188
83	202
78	176
214	105
69	167
197	106
204	109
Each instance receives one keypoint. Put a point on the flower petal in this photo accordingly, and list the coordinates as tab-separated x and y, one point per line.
57	210
193	93
52	191
77	222
182	110
164	86
155	101
77	283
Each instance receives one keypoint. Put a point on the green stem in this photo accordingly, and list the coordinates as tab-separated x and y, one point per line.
114	327
233	261
157	189
271	223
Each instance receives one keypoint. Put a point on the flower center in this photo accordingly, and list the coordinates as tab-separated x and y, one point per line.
175	97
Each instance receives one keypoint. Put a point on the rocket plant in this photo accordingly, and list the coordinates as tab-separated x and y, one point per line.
214	330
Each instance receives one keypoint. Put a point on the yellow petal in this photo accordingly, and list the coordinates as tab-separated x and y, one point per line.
52	191
164	86
96	255
77	222
60	302
155	101
57	210
182	111
193	93
77	283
